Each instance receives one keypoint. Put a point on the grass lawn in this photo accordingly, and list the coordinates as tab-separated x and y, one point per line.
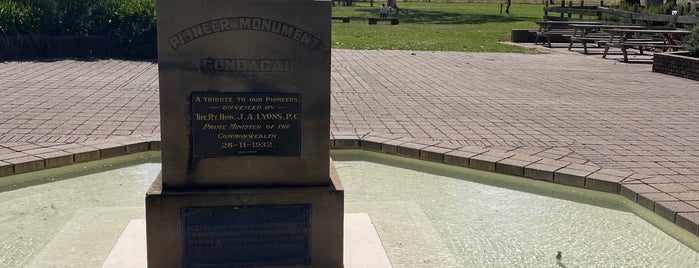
473	27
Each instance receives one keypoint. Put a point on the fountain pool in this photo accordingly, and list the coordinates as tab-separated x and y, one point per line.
427	215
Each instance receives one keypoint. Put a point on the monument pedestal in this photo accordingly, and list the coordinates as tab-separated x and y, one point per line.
361	245
271	227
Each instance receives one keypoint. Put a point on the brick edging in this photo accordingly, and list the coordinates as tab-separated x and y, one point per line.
628	184
40	157
678	64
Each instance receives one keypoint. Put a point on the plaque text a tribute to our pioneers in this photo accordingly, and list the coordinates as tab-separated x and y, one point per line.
245	124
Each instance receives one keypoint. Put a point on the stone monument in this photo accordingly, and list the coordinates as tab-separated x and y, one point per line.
245	116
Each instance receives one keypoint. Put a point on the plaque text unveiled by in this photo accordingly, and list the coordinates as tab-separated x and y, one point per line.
245	124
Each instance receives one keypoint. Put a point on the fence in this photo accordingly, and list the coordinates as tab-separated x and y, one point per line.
612	2
679	15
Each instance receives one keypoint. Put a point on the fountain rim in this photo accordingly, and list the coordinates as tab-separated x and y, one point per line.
522	166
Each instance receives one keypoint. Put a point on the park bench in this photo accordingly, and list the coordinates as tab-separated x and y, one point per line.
595	33
555	29
546	36
393	21
343	19
645	44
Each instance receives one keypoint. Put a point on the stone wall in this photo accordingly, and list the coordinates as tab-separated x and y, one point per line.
677	64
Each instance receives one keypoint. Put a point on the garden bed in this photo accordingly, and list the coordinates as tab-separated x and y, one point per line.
33	47
677	63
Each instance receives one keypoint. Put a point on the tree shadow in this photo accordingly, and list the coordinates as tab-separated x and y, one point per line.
408	15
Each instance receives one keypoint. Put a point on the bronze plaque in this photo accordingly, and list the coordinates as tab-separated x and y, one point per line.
258	235
245	124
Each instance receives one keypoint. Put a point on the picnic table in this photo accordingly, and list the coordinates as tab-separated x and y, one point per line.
594	33
626	38
343	19
394	21
550	28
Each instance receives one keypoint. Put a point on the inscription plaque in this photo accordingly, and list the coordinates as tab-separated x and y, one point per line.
246	235
245	124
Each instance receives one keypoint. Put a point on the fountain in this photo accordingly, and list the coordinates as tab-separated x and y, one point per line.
426	214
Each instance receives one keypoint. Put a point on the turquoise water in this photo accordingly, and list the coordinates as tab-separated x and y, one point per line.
71	217
433	215
427	215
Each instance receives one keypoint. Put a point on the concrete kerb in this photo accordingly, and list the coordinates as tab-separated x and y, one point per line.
68	154
585	176
613	181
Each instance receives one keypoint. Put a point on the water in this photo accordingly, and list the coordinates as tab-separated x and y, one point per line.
433	215
427	215
49	220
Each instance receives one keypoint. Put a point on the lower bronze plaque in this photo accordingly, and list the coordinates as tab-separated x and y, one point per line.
246	124
246	235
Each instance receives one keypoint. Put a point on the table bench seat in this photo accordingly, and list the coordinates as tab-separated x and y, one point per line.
555	29
652	45
641	45
589	38
616	40
394	21
671	39
566	33
344	19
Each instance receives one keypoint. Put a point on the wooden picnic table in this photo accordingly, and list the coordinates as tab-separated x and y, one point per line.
594	33
624	38
556	27
393	20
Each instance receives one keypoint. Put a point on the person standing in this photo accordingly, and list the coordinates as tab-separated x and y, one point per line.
507	9
392	8
383	11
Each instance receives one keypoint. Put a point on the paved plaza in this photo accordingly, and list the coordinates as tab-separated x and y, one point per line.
561	110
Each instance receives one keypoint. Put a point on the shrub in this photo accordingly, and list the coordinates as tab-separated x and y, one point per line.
16	18
131	22
693	43
61	17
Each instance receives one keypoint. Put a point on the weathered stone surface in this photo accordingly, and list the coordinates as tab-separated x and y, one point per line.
603	182
165	223
689	221
244	86
6	169
57	159
27	164
245	130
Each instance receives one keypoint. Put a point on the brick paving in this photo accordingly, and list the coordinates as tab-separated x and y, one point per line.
562	117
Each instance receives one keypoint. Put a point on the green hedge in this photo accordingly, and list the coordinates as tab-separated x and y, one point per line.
693	42
130	22
17	18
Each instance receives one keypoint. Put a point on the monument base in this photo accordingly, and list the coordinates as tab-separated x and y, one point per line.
270	227
362	245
